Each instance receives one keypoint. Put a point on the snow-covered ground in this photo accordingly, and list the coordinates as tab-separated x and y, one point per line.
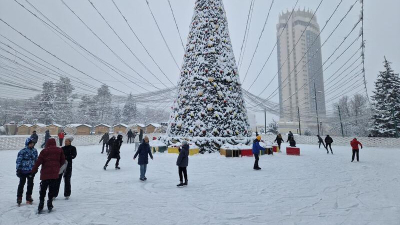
314	188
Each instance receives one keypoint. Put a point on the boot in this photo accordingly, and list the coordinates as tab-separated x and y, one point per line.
40	207
19	200
180	184
49	205
105	167
117	167
186	183
29	200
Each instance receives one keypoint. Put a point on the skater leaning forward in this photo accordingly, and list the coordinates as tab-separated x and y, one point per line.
328	142
354	145
115	146
182	162
51	159
25	161
143	152
256	152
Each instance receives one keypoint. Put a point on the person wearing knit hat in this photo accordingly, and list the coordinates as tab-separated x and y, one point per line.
256	152
70	154
25	161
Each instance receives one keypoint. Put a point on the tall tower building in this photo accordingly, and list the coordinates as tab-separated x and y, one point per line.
297	74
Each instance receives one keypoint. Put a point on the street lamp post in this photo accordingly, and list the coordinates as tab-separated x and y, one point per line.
316	106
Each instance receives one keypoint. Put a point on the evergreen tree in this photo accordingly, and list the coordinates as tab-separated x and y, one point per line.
87	112
129	112
103	101
386	103
209	102
63	101
117	115
46	105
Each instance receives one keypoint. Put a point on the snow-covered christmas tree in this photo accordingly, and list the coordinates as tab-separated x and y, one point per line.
386	103
210	102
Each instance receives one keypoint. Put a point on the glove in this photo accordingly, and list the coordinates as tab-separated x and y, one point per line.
18	173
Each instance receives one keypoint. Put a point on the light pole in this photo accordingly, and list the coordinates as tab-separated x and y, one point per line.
316	106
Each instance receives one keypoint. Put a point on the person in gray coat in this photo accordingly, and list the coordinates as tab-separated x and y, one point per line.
143	151
182	162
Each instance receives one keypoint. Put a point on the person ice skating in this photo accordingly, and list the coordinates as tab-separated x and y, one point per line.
182	162
143	151
70	154
290	136
51	158
320	141
25	161
115	146
61	136
105	138
110	144
354	145
256	152
328	142
292	142
140	136
279	140
46	138
130	136
34	137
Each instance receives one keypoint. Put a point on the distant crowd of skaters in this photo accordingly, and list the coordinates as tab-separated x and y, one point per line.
56	162
292	143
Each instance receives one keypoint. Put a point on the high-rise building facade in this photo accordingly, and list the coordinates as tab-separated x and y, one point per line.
299	71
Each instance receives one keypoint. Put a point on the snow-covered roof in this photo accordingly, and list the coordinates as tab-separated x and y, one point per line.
57	125
27	125
40	125
121	124
154	125
102	124
137	125
77	125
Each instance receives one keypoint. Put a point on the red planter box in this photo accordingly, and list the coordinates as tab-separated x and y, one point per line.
275	148
246	152
292	151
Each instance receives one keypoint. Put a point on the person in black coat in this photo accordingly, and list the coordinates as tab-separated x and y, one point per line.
105	138
290	136
46	138
279	140
130	136
328	142
182	162
143	151
320	141
114	152
140	135
110	144
70	154
34	137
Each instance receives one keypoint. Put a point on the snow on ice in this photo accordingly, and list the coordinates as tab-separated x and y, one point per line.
314	188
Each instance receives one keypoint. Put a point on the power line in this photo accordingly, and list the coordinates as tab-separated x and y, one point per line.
269	56
56	56
158	27
246	33
126	44
176	24
259	39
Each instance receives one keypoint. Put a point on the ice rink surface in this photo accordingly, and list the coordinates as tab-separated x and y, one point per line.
314	188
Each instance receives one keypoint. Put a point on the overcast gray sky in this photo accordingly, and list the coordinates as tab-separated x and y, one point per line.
382	22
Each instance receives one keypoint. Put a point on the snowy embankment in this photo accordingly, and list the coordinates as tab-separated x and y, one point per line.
314	188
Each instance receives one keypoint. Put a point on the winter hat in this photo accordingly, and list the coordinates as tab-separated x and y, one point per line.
28	141
184	142
259	137
70	138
